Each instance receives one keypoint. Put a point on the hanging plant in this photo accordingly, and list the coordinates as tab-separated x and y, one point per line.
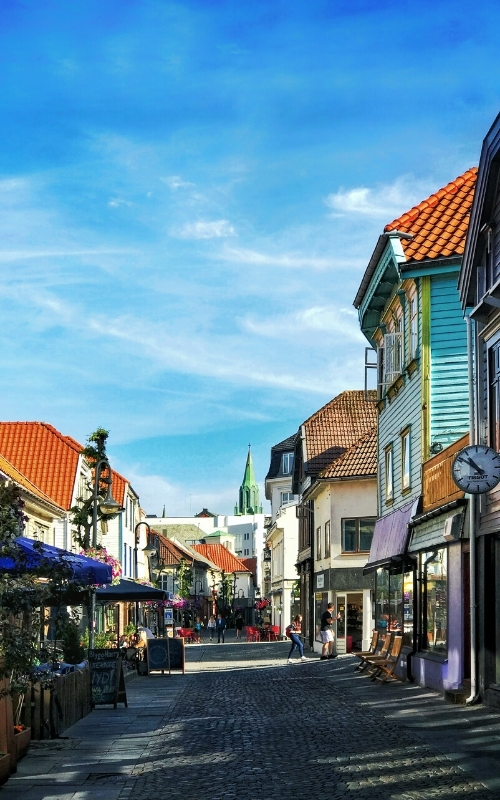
101	554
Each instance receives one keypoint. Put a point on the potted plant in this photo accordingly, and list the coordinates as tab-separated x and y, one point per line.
22	739
4	767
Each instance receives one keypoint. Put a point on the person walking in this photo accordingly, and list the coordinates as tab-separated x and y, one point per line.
326	631
211	626
239	626
293	632
220	626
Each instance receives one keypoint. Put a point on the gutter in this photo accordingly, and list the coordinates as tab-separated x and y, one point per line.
474	695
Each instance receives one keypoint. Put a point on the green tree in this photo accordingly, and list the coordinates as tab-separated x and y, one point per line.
184	579
94	451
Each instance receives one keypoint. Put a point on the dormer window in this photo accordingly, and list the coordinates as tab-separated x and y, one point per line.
287	463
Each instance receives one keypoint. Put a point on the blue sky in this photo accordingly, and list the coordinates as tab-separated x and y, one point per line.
189	194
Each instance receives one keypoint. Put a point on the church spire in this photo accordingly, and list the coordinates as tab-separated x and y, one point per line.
248	502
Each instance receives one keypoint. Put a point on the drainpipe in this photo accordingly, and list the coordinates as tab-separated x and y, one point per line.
474	696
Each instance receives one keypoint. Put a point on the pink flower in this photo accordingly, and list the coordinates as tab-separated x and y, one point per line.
101	554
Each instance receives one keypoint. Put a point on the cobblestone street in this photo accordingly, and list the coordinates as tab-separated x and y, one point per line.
242	724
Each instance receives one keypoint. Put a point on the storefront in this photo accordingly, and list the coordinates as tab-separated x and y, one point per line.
351	594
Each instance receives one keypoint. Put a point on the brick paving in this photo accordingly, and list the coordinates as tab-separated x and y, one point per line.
243	725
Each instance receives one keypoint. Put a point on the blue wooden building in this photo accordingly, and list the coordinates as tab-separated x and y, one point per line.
410	312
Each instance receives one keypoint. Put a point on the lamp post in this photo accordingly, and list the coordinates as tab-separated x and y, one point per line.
137	538
107	506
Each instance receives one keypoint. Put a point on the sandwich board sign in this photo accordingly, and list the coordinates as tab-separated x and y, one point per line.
108	682
165	655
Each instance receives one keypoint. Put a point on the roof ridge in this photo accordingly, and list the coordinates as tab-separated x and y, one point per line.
433	199
335	399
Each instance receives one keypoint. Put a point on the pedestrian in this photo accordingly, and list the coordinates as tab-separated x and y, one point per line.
220	626
239	626
327	635
211	626
293	632
197	627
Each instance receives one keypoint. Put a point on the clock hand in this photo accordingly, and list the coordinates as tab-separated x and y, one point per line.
472	464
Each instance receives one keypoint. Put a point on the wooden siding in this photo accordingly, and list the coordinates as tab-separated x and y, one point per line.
449	397
403	411
438	487
429	534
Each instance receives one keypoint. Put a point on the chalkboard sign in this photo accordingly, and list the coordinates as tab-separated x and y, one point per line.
165	654
108	683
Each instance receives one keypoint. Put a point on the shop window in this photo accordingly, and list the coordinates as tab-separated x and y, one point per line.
357	534
382	601
408	609
327	538
435	600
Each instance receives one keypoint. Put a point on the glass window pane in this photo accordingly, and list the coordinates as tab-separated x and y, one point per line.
349	536
382	601
405	455
366	526
408	608
437	602
388	474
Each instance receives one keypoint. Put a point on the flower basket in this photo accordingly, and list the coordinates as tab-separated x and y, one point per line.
4	768
22	739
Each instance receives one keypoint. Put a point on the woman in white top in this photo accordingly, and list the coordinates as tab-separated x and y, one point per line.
211	626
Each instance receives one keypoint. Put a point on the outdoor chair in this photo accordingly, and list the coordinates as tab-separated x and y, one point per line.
369	660
384	670
252	634
273	633
374	661
366	653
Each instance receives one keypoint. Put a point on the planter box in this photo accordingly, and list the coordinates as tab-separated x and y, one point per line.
4	768
22	742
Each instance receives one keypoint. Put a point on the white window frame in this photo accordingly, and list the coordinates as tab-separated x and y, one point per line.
389	474
287	463
405	459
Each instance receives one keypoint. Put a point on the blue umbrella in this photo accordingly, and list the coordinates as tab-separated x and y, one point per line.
33	555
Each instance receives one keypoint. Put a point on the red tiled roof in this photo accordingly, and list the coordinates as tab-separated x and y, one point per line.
438	224
169	551
48	459
336	427
250	564
360	460
13	474
221	556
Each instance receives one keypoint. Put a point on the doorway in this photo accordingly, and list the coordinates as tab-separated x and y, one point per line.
350	624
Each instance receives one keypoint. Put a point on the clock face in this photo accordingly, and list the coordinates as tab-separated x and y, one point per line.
476	469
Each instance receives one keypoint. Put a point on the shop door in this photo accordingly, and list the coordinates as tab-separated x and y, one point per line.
354	618
340	607
320	604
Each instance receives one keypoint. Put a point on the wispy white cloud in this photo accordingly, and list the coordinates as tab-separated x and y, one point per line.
118	201
21	255
387	200
340	322
175	182
217	229
240	255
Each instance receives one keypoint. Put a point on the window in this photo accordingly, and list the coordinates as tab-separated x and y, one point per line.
246	536
246	552
287	497
392	360
318	542
435	600
357	534
327	538
494	410
389	489
287	463
413	314
405	459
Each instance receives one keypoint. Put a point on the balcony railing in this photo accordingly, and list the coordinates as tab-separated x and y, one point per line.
438	487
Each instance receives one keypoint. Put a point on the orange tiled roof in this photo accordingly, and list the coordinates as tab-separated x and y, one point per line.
13	474
336	427
250	564
359	460
438	224
47	458
220	556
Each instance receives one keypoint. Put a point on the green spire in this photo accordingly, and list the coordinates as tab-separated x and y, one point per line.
248	502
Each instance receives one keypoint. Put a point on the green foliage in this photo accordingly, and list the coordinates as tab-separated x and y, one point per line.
67	631
129	629
184	578
94	451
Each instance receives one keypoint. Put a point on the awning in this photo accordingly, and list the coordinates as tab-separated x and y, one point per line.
129	591
35	555
390	537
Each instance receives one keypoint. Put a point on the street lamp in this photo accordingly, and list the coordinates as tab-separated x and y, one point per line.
137	537
106	506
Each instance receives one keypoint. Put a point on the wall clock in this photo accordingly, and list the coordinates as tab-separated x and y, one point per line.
476	469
